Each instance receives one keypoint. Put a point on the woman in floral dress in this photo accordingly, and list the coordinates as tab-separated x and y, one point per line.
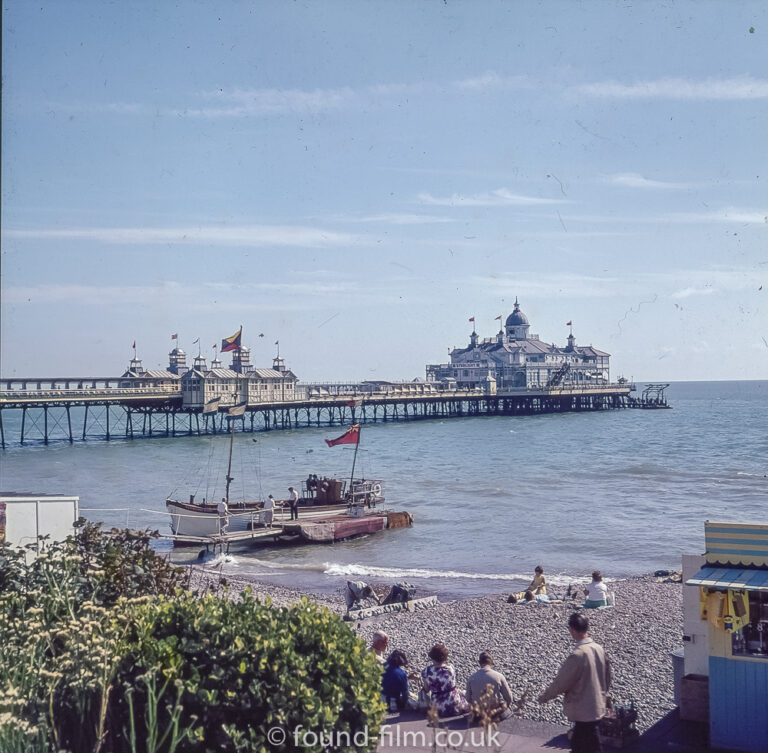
439	680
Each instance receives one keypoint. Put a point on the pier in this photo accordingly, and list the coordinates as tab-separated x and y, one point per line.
78	409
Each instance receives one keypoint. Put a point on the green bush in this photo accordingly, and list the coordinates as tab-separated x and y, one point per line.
103	652
61	643
230	671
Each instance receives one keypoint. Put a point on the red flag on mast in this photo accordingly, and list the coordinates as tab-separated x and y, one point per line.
471	318
568	324
351	436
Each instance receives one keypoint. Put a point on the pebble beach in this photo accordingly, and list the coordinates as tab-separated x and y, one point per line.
528	641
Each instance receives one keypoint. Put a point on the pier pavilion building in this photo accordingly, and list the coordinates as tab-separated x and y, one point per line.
200	384
516	359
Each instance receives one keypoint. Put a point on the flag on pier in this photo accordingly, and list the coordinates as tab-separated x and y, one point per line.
498	317
352	436
212	406
231	343
134	345
237	410
471	318
568	324
175	336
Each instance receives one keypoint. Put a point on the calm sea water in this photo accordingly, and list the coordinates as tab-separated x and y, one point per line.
624	491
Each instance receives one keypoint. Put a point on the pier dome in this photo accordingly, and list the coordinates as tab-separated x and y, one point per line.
517	324
517	317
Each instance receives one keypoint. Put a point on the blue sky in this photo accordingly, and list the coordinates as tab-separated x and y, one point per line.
357	179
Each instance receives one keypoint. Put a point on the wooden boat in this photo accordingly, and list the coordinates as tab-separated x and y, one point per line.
322	495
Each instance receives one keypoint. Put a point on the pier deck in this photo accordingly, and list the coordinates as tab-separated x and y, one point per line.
47	415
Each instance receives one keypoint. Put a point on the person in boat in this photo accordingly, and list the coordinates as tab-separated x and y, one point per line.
439	680
269	511
537	587
596	592
379	644
223	509
293	502
488	691
356	592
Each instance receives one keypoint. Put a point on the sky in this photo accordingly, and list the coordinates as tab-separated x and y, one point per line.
356	180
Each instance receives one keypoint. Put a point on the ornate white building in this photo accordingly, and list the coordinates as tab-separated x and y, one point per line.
515	359
199	385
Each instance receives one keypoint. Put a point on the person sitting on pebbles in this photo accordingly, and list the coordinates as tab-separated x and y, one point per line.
596	592
439	680
537	587
394	683
488	692
379	643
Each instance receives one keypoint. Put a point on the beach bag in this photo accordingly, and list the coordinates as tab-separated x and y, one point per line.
423	700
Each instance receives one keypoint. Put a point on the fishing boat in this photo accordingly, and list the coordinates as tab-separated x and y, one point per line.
319	497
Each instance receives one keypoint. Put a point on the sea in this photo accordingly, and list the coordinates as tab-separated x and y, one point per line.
623	491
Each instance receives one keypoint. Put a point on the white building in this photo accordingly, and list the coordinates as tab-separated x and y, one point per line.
516	359
231	386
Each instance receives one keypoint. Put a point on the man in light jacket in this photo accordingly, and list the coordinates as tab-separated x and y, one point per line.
583	680
488	691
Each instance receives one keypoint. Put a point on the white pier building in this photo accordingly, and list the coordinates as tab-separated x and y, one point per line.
515	359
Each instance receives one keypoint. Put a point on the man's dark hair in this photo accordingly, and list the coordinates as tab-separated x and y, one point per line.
397	658
578	622
485	659
538	569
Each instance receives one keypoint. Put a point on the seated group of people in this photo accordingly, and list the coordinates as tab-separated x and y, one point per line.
596	592
487	695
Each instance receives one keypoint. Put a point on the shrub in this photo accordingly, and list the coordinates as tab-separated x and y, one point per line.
230	671
103	652
61	643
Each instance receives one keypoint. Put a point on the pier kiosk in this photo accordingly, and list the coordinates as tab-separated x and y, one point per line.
732	623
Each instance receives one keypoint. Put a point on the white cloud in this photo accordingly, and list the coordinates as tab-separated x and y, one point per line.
491	80
688	292
222	235
635	180
243	102
498	198
399	219
741	87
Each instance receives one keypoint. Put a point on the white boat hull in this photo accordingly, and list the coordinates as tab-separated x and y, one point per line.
187	522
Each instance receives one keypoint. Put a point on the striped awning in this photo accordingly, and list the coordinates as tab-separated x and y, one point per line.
730	577
738	544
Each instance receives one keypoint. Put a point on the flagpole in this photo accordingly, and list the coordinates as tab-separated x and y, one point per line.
354	460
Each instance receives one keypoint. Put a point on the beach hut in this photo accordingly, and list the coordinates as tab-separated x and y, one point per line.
731	625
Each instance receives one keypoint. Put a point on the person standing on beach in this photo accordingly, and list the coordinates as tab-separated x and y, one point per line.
583	681
293	502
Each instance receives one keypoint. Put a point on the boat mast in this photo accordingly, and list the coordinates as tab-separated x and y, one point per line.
231	442
354	460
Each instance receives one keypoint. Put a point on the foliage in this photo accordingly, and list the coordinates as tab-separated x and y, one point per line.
60	638
244	666
104	652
